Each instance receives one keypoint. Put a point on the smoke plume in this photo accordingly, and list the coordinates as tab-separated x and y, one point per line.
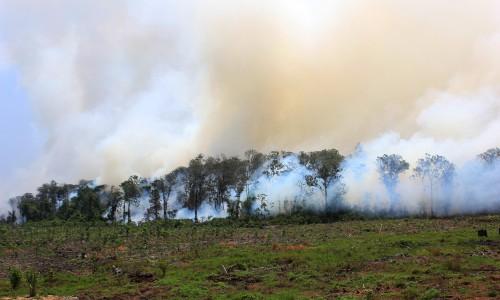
122	87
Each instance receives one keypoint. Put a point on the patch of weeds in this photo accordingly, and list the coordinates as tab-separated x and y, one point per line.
400	284
248	296
454	264
162	265
431	294
434	251
410	293
192	291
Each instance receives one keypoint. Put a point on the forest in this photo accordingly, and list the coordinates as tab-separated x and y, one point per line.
239	187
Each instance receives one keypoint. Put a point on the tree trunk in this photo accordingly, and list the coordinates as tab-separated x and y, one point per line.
432	213
124	213
128	212
164	205
325	187
196	214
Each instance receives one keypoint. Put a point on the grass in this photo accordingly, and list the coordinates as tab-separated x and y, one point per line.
353	259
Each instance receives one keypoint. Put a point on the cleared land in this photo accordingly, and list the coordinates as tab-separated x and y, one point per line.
358	259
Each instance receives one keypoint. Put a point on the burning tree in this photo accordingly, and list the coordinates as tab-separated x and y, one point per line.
325	166
389	168
437	170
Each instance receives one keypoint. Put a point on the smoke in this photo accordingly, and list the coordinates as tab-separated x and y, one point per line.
119	88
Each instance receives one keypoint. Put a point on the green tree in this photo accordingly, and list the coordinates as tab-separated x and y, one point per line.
131	194
325	166
115	197
224	174
29	208
153	212
196	184
165	186
87	204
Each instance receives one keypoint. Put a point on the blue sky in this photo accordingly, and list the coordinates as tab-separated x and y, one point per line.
19	137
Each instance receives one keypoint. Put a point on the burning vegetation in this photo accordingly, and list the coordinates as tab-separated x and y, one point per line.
320	182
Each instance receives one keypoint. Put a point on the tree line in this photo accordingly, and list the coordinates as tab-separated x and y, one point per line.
220	181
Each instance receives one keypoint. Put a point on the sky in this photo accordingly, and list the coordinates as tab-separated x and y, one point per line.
106	89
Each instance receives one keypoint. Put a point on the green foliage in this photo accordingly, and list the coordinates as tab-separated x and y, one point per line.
131	193
325	166
32	278
15	277
163	265
431	294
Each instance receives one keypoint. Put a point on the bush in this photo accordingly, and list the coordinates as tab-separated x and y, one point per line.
15	278
454	265
162	265
410	293
31	279
431	294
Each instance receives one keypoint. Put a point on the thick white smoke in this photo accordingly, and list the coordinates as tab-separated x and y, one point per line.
122	87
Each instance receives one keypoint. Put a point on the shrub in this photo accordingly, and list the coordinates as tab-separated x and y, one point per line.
454	265
410	293
31	279
15	278
162	265
431	294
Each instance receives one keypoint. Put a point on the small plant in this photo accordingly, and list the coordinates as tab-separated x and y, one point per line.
31	279
454	265
162	265
431	294
410	293
15	278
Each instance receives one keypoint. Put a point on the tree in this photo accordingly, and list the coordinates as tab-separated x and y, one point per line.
87	204
437	170
491	156
165	186
153	212
196	184
224	175
325	166
115	197
47	198
131	194
244	173
29	208
275	167
389	168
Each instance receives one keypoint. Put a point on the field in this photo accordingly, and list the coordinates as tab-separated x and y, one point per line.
350	259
